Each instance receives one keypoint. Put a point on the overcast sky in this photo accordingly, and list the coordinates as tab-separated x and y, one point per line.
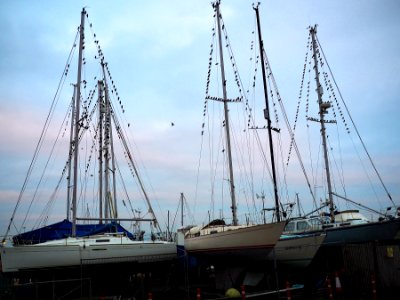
158	54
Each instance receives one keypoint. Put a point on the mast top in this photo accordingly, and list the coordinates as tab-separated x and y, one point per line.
216	3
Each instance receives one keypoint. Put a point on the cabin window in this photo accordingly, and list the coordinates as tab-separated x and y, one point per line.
102	241
315	223
302	225
289	227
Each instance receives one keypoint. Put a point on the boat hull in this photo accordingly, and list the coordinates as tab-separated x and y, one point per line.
26	257
297	251
375	231
254	242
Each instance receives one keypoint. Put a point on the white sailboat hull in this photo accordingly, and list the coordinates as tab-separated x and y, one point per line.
84	251
297	251
254	241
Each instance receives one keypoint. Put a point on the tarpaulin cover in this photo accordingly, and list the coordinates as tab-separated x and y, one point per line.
63	229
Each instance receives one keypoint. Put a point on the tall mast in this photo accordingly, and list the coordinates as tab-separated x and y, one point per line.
323	109
225	100
70	155
107	191
101	117
77	120
111	198
267	116
113	164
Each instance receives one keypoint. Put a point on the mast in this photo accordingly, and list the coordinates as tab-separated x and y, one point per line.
298	204
101	115
182	209
77	121
70	155
323	109
107	159
111	198
113	168
225	100
267	116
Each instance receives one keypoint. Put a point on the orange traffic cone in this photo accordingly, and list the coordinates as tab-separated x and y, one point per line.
329	285
338	284
198	294
373	283
288	290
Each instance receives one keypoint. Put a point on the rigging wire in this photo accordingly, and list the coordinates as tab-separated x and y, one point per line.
85	123
121	130
44	216
41	138
289	128
355	128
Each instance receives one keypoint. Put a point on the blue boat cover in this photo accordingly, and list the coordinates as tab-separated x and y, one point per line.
63	229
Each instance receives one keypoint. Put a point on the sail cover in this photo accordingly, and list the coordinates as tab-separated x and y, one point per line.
63	229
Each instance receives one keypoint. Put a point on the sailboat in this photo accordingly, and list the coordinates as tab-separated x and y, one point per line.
74	241
340	226
252	241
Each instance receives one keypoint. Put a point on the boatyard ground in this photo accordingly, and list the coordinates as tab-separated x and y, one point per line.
353	271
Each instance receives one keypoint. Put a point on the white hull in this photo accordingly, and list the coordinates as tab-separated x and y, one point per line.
297	251
84	251
254	241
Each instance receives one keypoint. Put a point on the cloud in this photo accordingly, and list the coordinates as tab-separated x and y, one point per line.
158	53
19	127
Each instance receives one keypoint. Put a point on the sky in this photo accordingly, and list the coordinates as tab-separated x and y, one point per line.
158	54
